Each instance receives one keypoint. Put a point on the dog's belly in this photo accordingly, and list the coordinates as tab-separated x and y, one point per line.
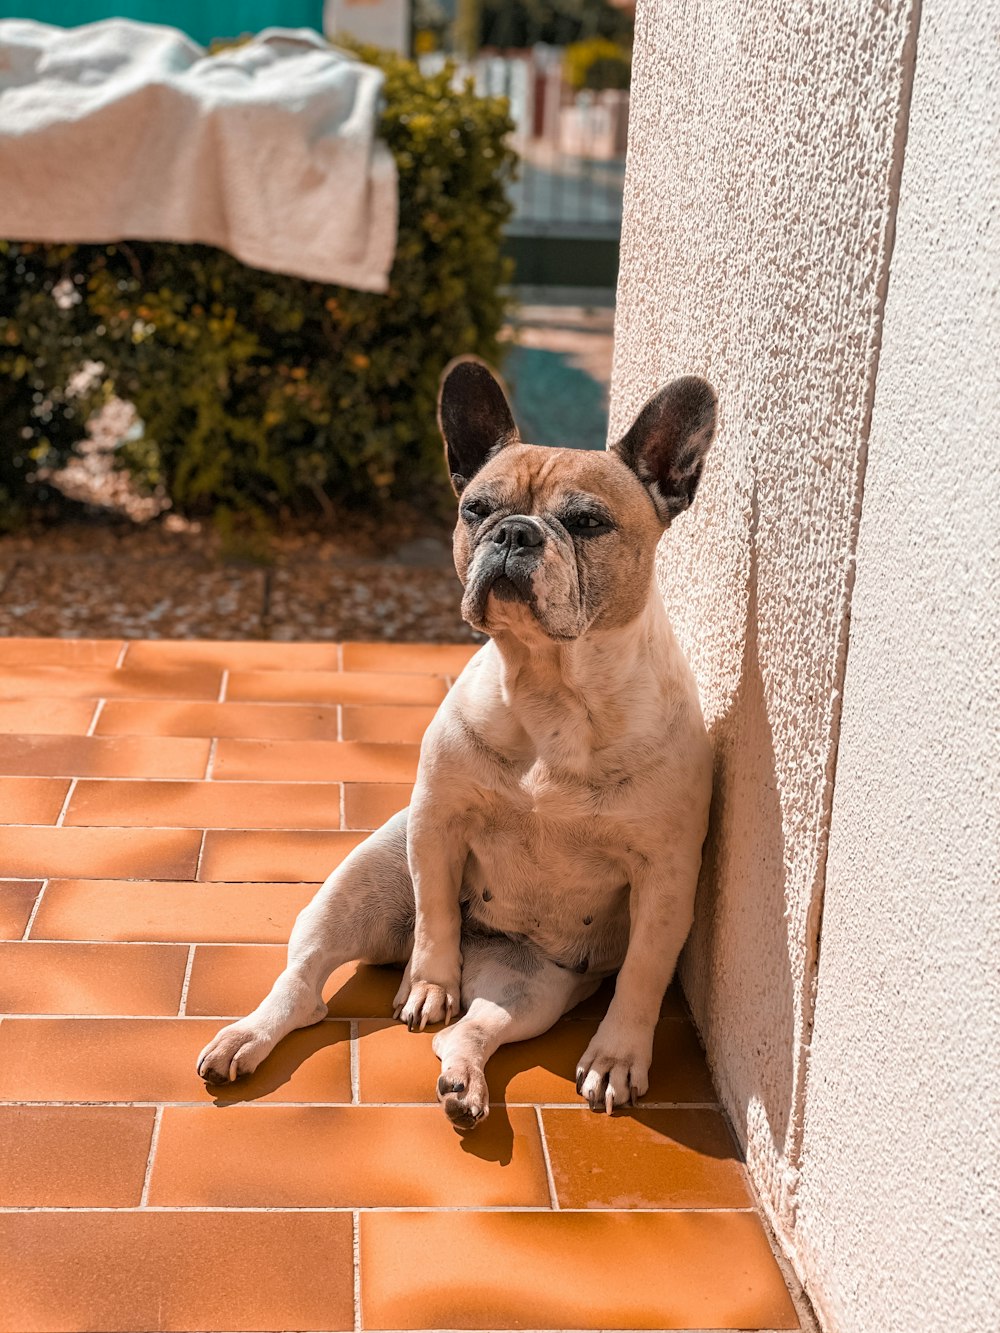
558	884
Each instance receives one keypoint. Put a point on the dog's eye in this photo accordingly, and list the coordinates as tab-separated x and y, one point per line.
586	524
476	509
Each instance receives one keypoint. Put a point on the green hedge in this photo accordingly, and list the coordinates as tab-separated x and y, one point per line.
259	391
597	64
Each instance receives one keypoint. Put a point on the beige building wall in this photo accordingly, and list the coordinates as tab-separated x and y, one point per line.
899	1197
766	155
763	151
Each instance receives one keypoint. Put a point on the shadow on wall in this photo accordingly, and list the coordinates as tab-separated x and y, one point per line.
741	899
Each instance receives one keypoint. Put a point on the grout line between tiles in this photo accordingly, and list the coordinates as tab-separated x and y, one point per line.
356	1252
201	852
234	782
211	758
343	805
340	657
153	1140
34	910
174	943
223	685
553	1199
355	1069
258	1106
340	722
97	713
187	980
544	1209
275	830
65	805
121	656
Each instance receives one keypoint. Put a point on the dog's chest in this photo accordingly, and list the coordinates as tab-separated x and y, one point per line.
542	864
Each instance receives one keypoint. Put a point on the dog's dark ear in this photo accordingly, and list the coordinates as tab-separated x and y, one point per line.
474	417
667	443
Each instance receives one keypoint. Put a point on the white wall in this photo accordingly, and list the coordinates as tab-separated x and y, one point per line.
769	150
900	1185
758	207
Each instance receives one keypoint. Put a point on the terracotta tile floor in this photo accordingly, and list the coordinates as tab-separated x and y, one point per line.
169	807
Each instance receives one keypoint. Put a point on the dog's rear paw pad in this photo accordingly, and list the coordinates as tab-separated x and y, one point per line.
234	1052
464	1114
463	1093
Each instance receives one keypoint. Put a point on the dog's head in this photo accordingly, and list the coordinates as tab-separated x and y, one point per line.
554	542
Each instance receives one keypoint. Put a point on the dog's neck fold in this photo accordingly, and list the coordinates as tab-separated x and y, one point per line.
596	679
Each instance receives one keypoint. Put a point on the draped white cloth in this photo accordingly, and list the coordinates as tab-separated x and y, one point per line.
120	130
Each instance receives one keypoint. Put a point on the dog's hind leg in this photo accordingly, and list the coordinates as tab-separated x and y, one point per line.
511	992
364	910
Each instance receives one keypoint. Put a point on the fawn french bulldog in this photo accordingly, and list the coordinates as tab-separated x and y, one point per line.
561	801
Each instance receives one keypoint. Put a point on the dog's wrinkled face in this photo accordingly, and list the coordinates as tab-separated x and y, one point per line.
554	542
554	538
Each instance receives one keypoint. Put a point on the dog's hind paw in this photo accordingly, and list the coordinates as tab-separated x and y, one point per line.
462	1092
233	1052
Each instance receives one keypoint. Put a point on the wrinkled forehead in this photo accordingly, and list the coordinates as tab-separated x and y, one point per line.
530	477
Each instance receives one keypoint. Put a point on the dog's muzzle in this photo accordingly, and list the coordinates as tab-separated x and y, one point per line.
505	562
517	548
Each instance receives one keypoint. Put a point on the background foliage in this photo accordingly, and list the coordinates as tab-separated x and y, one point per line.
259	391
597	64
521	23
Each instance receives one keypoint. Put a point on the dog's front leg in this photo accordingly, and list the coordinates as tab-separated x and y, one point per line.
614	1069
437	852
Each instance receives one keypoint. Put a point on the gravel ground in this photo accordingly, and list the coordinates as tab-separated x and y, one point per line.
133	569
97	580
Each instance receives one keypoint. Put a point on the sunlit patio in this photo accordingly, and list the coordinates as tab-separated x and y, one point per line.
169	808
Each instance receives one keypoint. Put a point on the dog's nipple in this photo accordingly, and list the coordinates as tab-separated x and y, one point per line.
588	920
487	895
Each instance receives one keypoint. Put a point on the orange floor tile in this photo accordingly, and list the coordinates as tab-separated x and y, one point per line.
166	809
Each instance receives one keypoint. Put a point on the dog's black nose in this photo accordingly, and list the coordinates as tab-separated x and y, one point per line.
517	533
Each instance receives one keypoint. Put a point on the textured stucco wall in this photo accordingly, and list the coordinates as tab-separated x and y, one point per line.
764	150
810	221
900	1186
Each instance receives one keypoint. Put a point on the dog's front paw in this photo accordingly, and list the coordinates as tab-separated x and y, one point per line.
427	1002
233	1052
614	1069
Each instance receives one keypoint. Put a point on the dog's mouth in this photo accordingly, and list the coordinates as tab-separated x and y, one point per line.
505	589
502	585
512	583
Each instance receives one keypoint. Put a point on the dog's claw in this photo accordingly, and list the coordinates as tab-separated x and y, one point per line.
595	1097
426	1003
609	1076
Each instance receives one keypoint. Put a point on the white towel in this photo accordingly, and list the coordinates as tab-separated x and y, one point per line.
120	130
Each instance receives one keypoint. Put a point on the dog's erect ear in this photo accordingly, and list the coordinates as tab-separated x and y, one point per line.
474	417
667	443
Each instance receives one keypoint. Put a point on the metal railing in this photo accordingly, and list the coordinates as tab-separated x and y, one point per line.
568	195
